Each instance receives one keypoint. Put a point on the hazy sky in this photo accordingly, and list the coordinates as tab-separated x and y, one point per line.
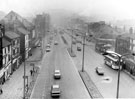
112	8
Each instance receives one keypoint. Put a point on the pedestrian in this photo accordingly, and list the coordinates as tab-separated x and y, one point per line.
31	72
1	91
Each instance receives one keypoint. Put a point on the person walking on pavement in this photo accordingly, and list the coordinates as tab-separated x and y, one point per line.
31	72
1	91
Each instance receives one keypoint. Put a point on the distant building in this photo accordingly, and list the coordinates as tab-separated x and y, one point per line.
122	44
125	43
42	24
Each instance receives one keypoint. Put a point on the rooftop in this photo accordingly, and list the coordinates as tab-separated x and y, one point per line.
11	34
5	42
24	31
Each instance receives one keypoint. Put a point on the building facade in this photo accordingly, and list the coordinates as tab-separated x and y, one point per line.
24	43
6	50
1	54
15	49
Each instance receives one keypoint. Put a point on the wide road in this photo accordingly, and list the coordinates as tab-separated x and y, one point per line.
71	84
106	87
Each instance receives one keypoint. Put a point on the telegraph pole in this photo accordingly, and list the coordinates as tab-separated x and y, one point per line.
24	76
83	53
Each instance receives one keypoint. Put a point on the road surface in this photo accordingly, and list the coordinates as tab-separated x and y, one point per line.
71	84
106	87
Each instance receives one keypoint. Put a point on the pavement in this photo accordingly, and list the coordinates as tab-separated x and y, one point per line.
13	88
90	86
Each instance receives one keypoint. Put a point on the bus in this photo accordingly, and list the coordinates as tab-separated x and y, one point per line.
101	47
112	60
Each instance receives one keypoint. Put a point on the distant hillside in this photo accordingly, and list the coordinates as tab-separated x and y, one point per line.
100	29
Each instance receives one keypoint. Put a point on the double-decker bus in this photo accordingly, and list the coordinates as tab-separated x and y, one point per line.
112	60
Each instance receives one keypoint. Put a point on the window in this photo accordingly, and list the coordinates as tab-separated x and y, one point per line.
9	48
3	51
9	57
14	52
4	60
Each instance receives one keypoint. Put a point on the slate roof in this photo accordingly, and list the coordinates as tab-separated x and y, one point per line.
5	42
23	31
11	34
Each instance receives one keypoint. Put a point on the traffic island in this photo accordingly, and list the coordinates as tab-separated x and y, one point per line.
72	54
91	87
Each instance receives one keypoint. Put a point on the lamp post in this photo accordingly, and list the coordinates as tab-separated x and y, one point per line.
118	81
24	77
83	51
71	41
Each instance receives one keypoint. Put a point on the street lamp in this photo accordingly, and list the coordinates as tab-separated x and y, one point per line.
118	81
24	77
71	41
83	51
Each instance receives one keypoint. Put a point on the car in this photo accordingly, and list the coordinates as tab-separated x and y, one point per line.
55	43
79	41
48	45
48	50
55	90
57	74
78	48
73	42
99	71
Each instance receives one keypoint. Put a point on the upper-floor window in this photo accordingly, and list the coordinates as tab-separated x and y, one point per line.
4	51
9	48
4	60
13	42
9	57
16	41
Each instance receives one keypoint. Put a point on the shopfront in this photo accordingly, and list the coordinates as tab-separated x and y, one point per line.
7	71
2	80
14	65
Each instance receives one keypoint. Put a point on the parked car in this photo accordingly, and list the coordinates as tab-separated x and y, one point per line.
57	74
55	90
78	48
99	71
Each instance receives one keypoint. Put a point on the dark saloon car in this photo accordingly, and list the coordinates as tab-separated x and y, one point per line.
78	48
99	71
